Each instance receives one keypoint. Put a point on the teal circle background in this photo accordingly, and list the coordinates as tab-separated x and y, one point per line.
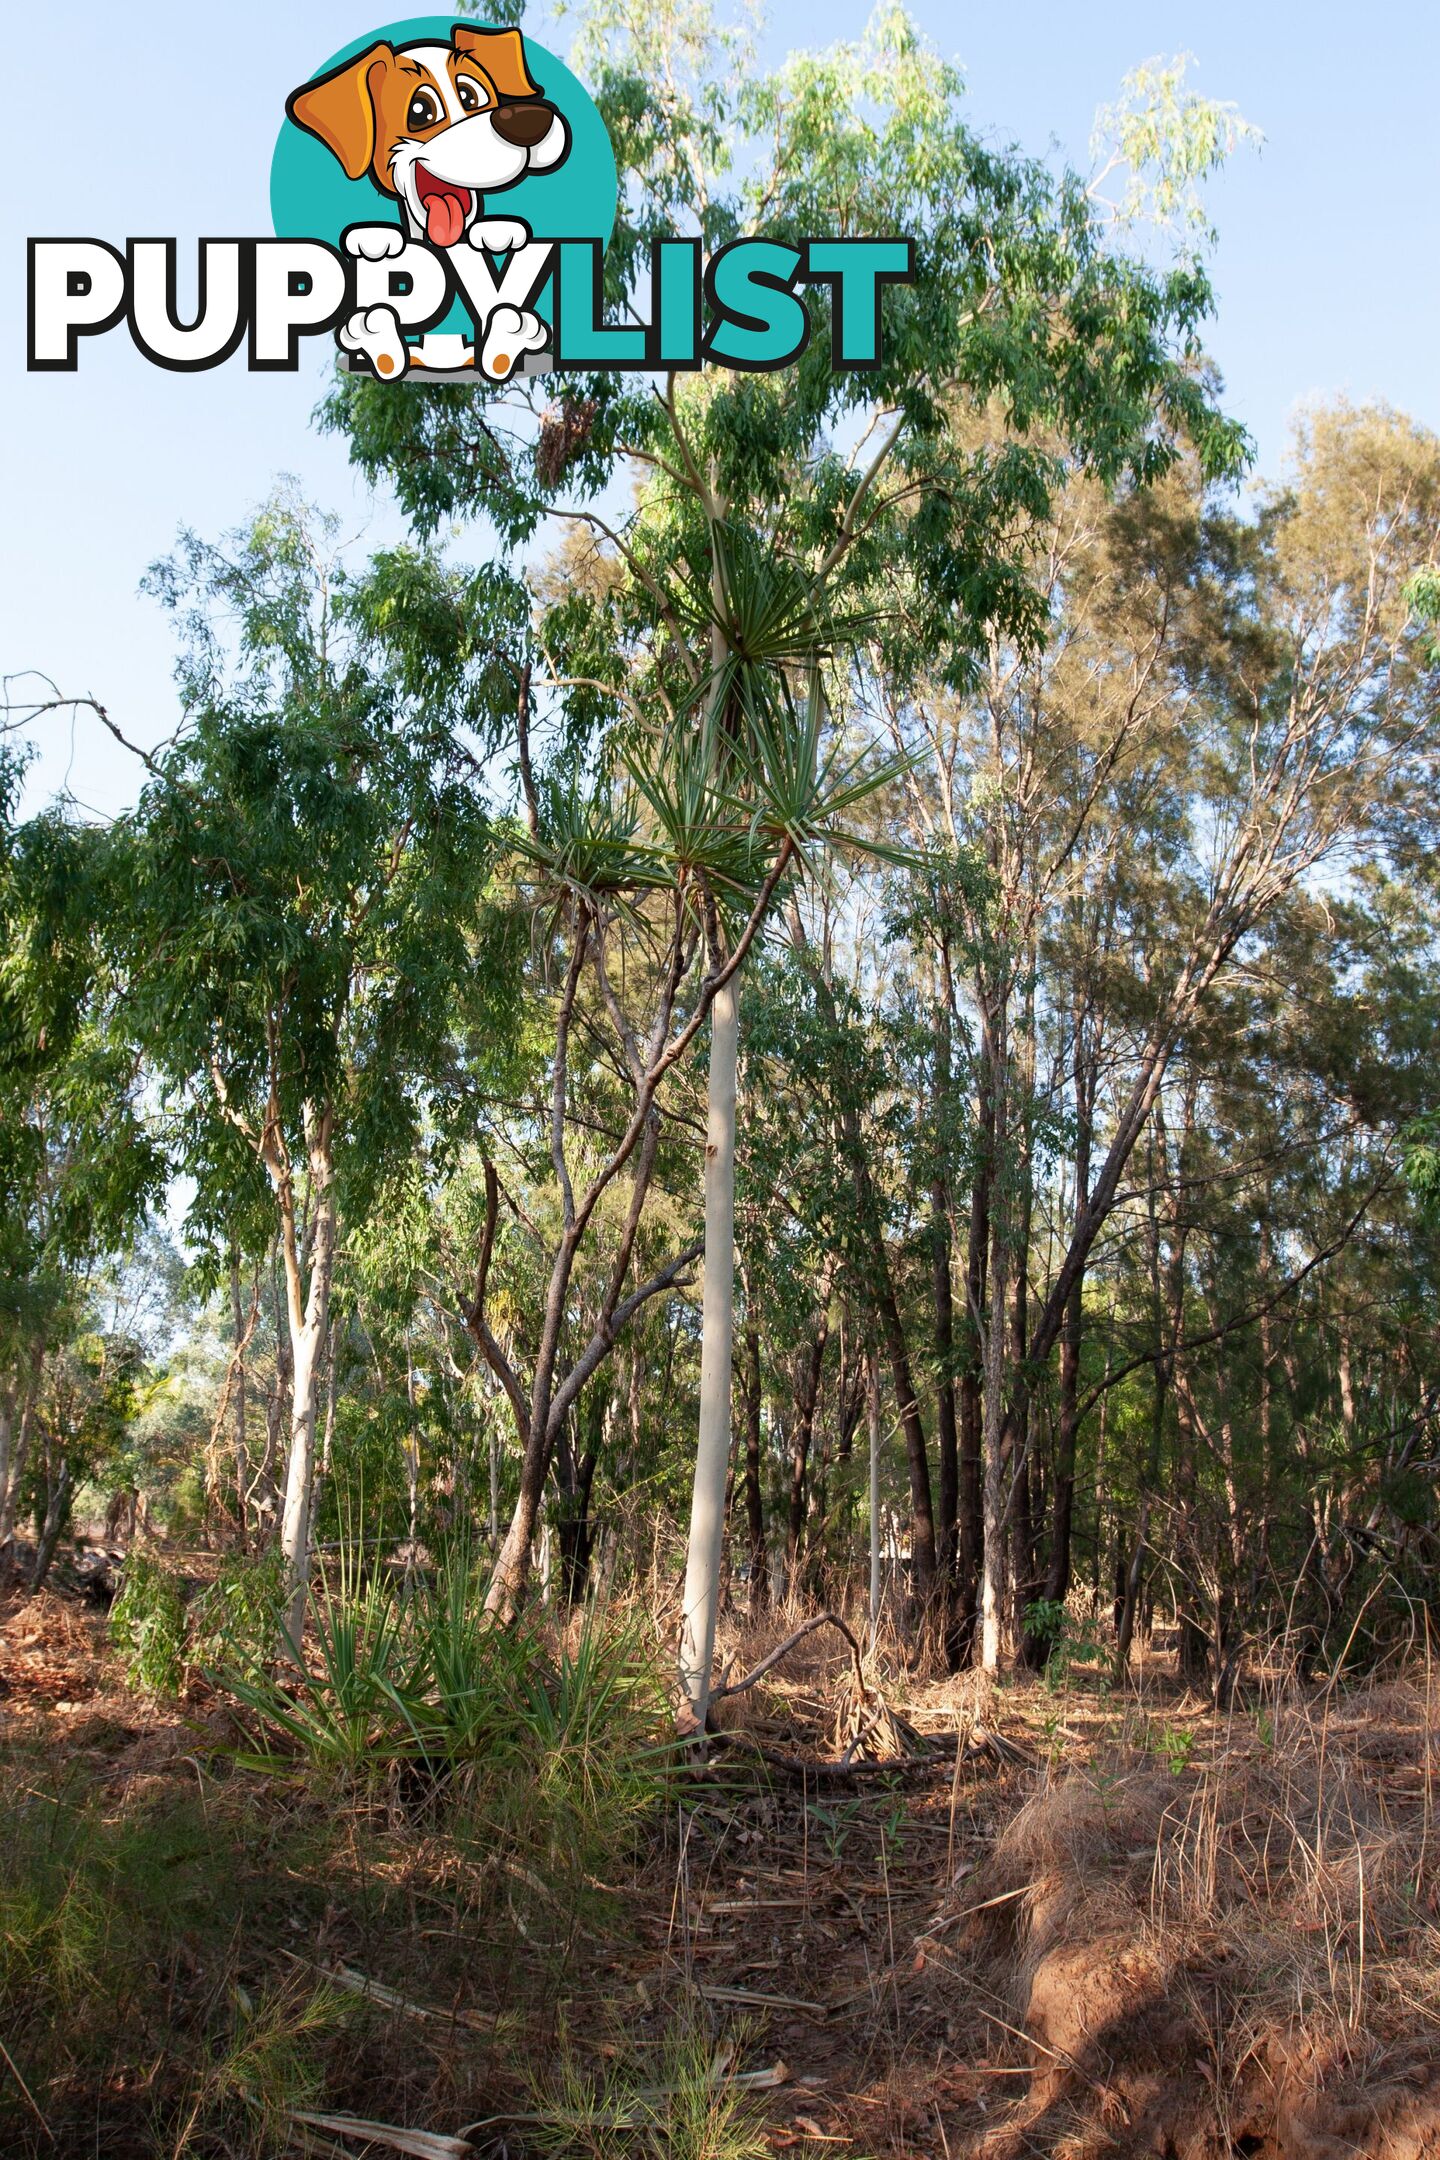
311	198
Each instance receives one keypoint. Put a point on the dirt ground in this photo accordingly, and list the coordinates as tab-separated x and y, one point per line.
1144	1929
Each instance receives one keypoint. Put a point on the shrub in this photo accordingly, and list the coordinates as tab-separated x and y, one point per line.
267	2064
147	1626
586	1752
553	1750
236	1619
355	1714
1077	1652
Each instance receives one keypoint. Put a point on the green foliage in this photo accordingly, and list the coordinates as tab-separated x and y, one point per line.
349	1711
1422	596
1176	1743
553	1749
583	1746
235	1620
1046	1618
839	1821
1170	140
295	903
89	1897
148	1626
1078	1653
268	2063
1019	307
137	1929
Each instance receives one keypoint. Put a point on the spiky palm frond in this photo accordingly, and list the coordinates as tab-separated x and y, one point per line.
802	782
701	827
590	842
770	608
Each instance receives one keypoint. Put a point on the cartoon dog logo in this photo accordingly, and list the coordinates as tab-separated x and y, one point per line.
438	128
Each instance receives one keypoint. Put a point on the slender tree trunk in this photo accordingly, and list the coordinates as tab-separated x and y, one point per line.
1167	1277
993	1599
237	1401
1022	1468
946	1434
892	1329
1134	1574
512	1562
1060	1566
551	1396
922	1516
309	1328
1267	1359
712	1456
946	1431
8	1396
1023	1507
994	1602
1102	1465
19	1458
492	1435
885	1309
576	1533
803	1433
977	1267
58	1487
264	1497
754	1484
327	1444
872	1406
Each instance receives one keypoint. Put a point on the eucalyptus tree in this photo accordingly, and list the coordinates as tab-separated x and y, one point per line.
1221	713
861	479
297	902
78	1168
1310	702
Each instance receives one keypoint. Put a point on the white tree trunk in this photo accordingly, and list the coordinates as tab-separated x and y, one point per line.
17	1453
712	1457
872	1393
8	1396
993	1579
547	1563
308	1344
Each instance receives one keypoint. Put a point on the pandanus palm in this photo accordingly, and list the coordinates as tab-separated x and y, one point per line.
789	787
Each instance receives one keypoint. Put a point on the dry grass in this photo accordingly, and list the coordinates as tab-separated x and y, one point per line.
1233	1952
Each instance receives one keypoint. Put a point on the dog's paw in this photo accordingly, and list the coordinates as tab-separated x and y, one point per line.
510	333
375	332
374	242
498	235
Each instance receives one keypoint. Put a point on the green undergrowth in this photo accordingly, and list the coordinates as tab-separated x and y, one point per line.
544	1746
148	1627
146	2006
361	1904
679	2101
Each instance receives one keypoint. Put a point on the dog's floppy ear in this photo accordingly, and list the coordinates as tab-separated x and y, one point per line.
339	108
502	55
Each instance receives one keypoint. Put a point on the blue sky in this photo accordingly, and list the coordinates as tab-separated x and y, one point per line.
164	119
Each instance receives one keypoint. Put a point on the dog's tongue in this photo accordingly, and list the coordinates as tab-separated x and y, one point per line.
444	219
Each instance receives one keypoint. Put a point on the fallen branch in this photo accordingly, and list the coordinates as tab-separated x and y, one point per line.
25	2089
420	2144
767	1664
977	1741
358	1983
